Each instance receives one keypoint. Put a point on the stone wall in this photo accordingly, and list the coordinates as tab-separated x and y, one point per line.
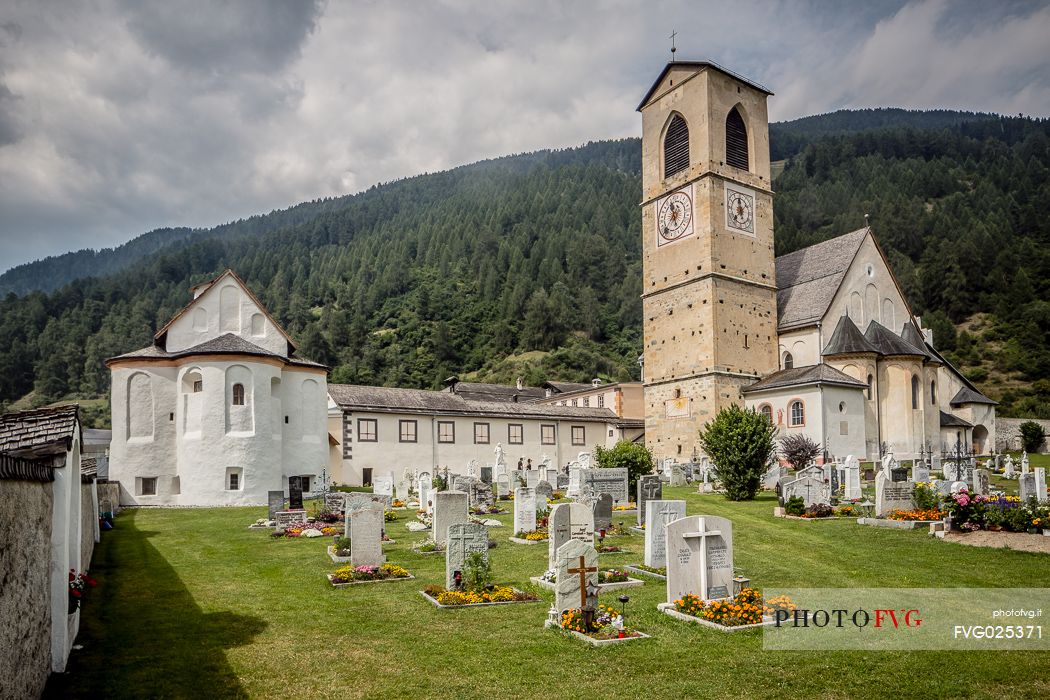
1008	433
25	587
88	524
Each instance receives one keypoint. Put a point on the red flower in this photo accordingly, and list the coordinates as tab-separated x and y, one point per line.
75	593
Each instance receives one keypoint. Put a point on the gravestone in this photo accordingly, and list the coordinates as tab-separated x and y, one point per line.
481	495
544	491
833	479
1040	483
955	470
275	502
656	518
892	495
563	482
603	510
1009	472
284	518
851	489
584	460
610	481
920	472
532	478
574	481
474	469
935	463
366	536
295	494
524	510
577	584
486	474
899	474
1026	486
464	539
334	502
568	521
450	507
700	558
649	488
981	482
1024	462
425	489
677	475
811	489
383	484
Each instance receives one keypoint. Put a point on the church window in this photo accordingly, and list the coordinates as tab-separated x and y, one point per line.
914	391
798	413
871	387
238	394
366	430
579	435
547	434
676	146
233	479
601	400
767	411
148	486
933	393
198	386
446	431
842	407
789	361
407	431
481	433
516	433
736	140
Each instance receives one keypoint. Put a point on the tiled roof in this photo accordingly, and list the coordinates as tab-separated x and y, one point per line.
478	391
889	343
698	65
567	387
808	279
226	344
913	337
950	421
810	374
968	395
389	399
40	431
847	339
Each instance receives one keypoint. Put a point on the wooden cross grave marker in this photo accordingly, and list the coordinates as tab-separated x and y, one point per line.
583	570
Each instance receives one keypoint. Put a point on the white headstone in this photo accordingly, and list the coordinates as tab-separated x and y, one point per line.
851	490
574	481
425	488
700	558
474	468
450	507
1040	484
383	484
524	510
366	535
1024	462
584	460
568	566
464	539
1026	487
568	521
532	478
811	489
658	514
677	475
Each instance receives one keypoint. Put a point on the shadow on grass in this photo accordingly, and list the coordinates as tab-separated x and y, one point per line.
142	633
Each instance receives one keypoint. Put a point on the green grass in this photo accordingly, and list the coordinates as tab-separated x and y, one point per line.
192	604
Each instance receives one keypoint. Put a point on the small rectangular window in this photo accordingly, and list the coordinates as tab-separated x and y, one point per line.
366	430
149	486
407	431
198	386
547	434
587	401
601	400
843	427
516	433
446	431
235	481
481	433
579	435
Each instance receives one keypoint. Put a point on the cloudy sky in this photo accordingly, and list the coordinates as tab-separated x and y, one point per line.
117	117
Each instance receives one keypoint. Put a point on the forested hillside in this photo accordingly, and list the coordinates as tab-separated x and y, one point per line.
531	264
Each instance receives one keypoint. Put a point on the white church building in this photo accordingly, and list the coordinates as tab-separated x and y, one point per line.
219	410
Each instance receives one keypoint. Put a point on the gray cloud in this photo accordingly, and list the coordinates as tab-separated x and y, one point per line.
125	116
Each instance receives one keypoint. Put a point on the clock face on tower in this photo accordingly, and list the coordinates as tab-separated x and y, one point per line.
740	210
674	217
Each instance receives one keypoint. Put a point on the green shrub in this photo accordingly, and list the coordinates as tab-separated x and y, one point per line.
740	443
926	497
477	572
1032	436
795	506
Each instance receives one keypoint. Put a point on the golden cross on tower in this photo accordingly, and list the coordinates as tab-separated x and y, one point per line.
673	49
583	570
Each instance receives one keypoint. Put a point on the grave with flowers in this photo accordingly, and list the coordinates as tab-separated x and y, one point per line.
701	587
469	579
367	562
576	610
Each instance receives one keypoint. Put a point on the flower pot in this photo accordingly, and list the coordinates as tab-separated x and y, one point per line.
74	604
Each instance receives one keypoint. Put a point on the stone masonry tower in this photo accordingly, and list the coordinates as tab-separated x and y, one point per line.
709	282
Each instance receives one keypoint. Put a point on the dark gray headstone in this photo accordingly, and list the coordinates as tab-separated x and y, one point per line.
649	488
486	474
295	494
899	474
603	512
543	491
275	500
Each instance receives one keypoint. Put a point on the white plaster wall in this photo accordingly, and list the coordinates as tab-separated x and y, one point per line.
803	344
388	454
134	457
304	438
904	428
876	294
845	408
193	329
780	401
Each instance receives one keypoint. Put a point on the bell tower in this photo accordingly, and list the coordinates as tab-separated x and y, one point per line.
709	280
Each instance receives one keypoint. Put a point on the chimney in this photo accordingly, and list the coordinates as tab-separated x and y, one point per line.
596	382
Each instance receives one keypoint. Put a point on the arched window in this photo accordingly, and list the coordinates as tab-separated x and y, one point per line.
933	393
736	141
789	361
914	391
798	413
676	146
767	411
871	387
238	394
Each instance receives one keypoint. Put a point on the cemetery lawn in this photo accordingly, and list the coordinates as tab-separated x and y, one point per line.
191	603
